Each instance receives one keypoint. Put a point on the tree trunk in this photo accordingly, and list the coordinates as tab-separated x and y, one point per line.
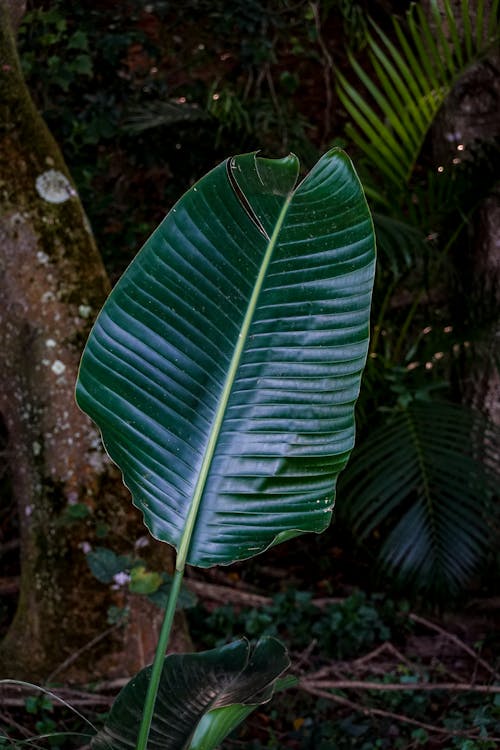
469	116
52	283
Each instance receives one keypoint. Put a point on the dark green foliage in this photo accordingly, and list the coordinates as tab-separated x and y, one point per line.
84	106
175	88
169	95
341	631
416	483
144	99
357	731
105	564
432	503
346	630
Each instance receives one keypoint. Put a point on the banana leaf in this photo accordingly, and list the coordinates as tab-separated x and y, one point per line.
224	367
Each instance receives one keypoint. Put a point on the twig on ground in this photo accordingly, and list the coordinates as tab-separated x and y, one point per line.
303	657
386	647
456	640
74	698
451	687
367	711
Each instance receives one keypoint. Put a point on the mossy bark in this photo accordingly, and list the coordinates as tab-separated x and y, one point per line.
52	282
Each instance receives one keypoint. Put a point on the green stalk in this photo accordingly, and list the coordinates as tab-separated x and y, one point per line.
380	319
156	671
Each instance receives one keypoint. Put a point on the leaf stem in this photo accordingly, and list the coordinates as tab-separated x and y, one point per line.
161	647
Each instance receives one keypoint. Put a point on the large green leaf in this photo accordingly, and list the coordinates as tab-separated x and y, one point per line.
201	697
224	368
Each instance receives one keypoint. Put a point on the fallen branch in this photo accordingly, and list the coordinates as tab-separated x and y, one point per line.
217	592
13	696
226	594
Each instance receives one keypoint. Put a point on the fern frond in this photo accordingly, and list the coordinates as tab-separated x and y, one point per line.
394	107
426	480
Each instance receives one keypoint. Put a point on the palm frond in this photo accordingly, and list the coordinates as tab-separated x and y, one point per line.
410	79
426	480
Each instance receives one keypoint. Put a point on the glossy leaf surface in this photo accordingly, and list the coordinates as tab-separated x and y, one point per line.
192	688
224	368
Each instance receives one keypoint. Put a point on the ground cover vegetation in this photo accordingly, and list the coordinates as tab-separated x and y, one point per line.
144	99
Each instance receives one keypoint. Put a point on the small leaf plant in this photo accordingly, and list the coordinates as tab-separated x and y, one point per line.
223	372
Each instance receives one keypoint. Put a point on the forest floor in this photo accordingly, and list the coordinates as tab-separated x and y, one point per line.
371	671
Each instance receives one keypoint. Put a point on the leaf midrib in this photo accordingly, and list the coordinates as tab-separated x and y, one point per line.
192	514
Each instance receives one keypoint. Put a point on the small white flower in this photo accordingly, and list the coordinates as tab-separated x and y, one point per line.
120	579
